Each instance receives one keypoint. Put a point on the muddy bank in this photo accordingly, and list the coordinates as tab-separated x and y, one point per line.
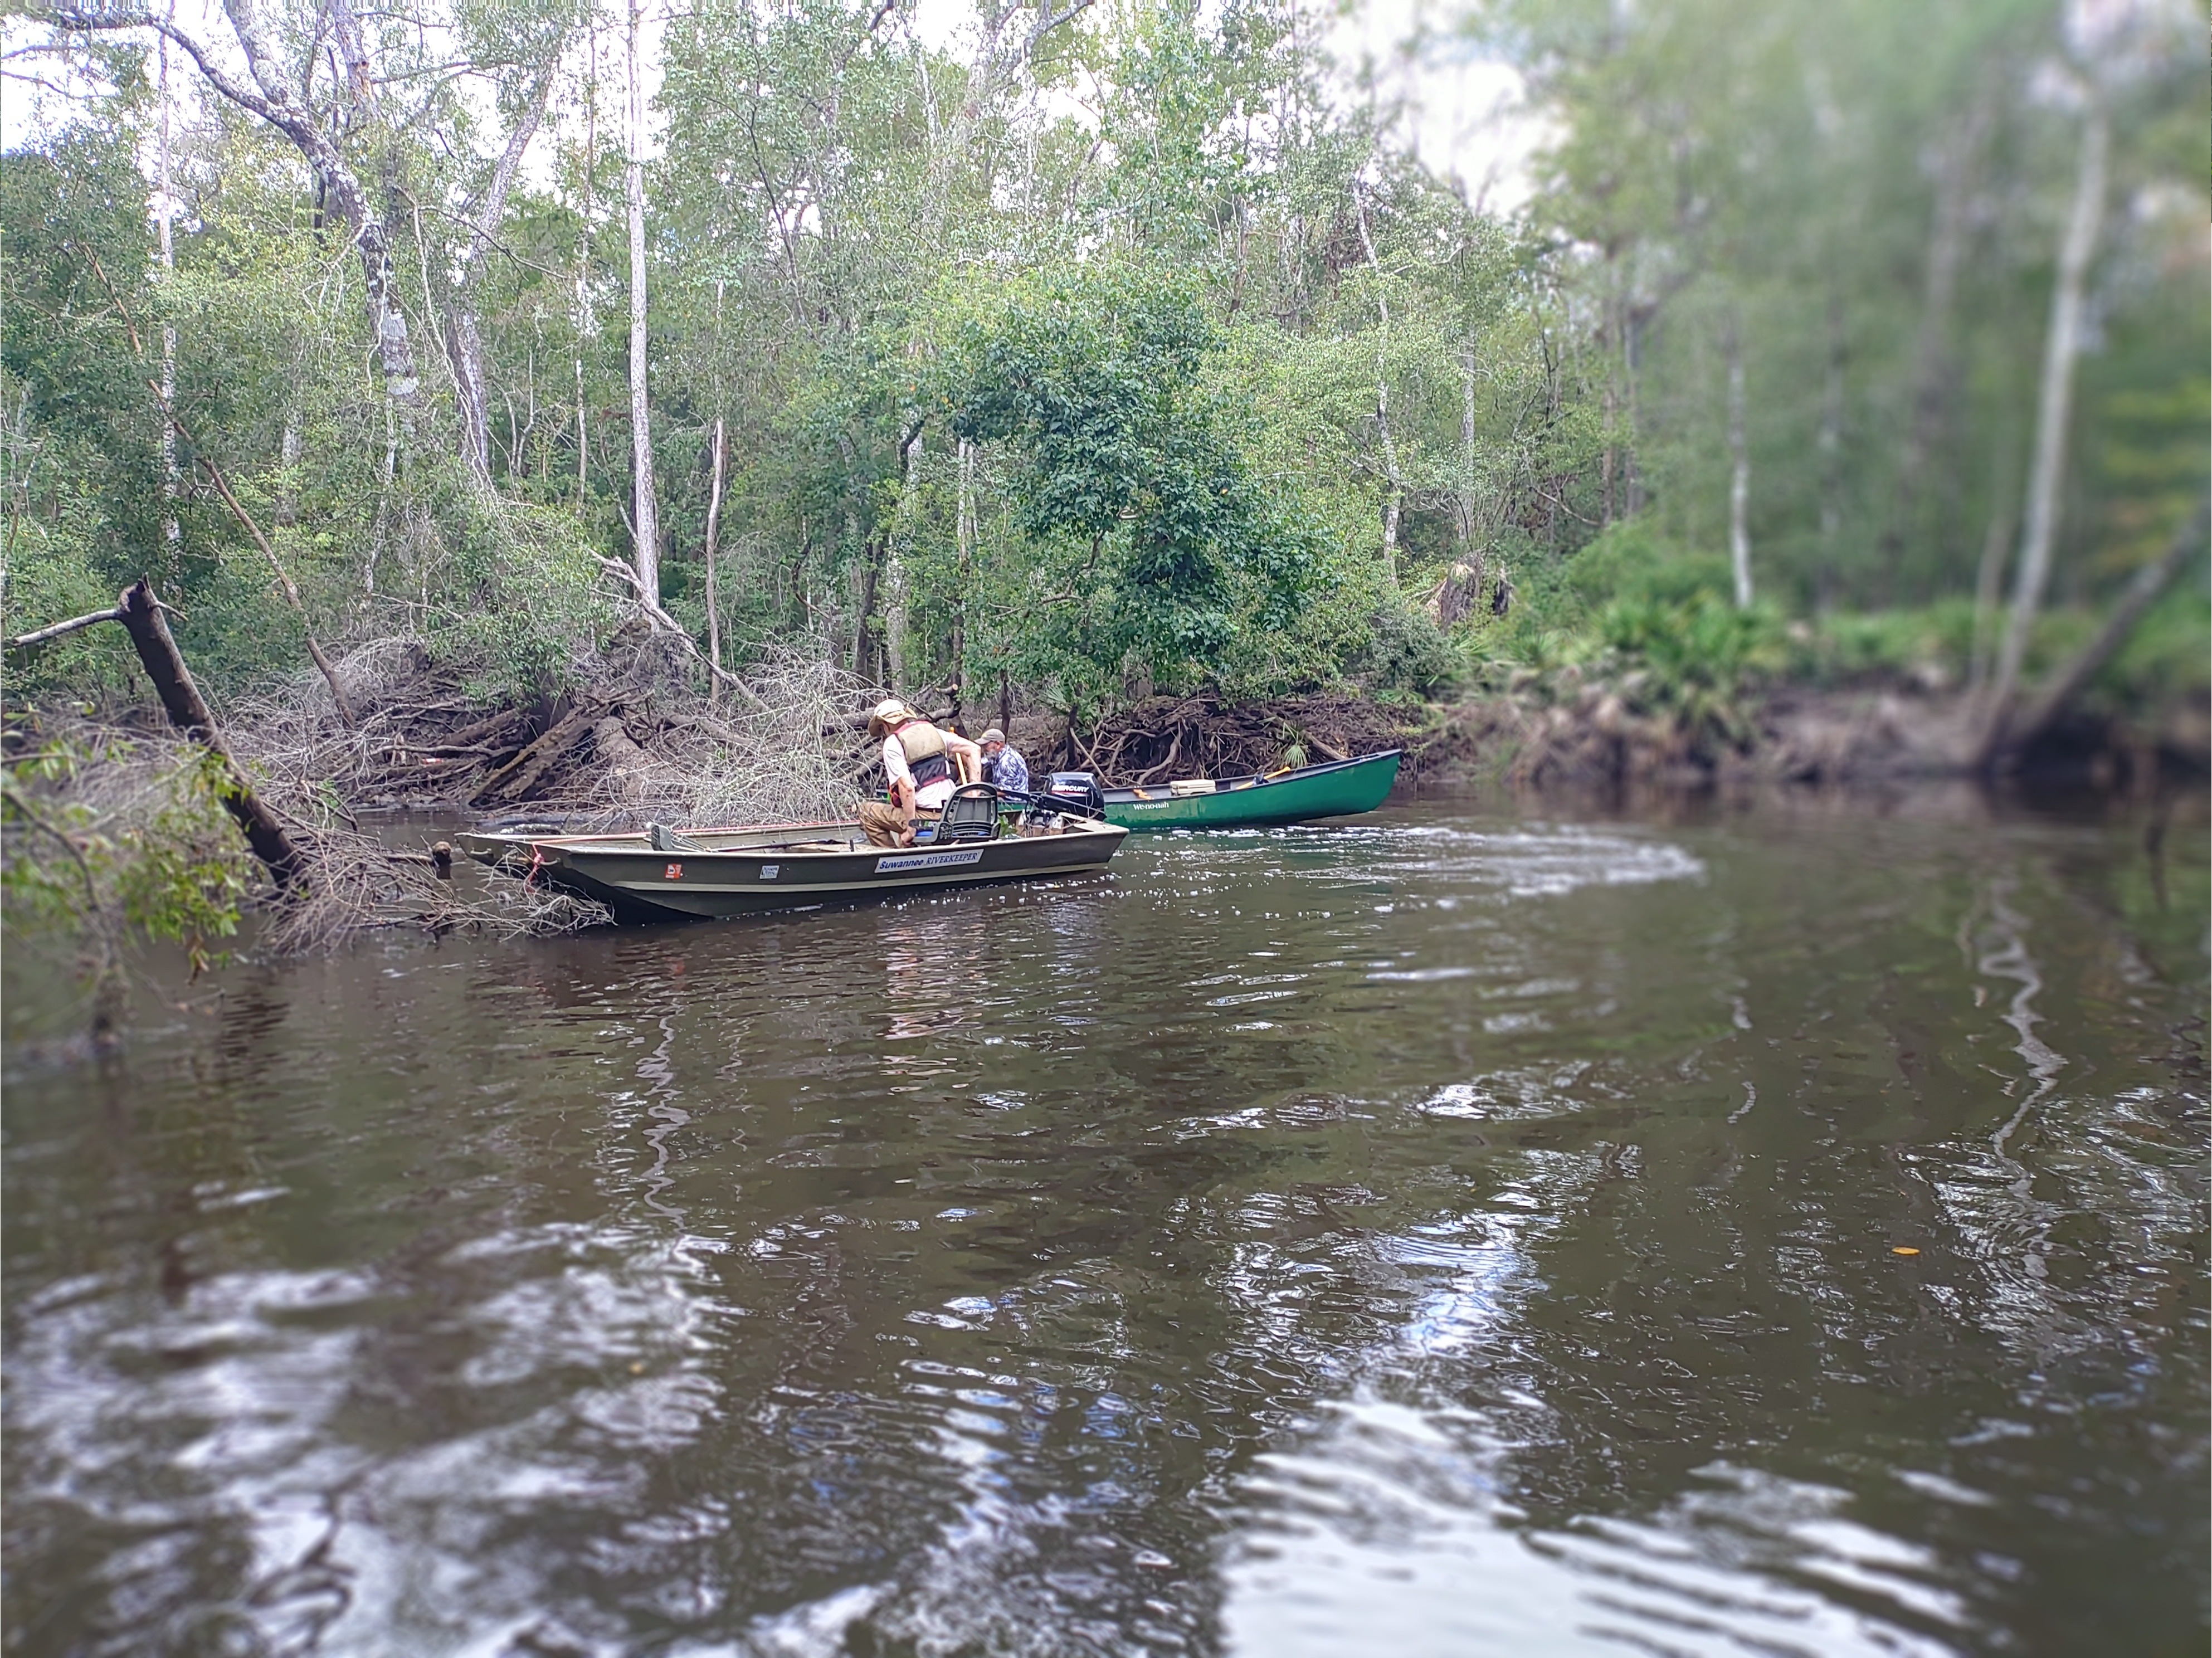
1792	734
1800	734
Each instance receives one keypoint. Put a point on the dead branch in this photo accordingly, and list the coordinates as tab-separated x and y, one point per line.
40	635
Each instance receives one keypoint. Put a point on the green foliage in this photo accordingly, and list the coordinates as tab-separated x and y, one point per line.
164	863
1066	354
1695	659
1407	656
1631	560
1126	477
524	602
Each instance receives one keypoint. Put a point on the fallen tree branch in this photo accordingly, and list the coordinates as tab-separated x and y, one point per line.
40	635
2010	737
140	614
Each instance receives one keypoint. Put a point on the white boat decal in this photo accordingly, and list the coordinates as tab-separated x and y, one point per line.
767	871
896	862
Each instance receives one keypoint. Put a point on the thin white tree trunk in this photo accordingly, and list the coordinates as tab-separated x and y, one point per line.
172	531
646	514
1738	471
1832	450
288	450
587	325
964	540
1395	504
713	533
2053	407
895	604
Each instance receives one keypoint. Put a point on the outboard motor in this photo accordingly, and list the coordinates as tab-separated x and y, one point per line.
1078	791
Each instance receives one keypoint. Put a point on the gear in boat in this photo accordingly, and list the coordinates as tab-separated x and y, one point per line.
663	873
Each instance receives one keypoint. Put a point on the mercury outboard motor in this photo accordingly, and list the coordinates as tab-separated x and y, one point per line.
1079	792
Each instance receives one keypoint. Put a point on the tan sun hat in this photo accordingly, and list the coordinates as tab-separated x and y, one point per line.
888	713
993	735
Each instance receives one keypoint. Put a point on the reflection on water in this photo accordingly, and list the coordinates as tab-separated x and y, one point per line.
1449	1234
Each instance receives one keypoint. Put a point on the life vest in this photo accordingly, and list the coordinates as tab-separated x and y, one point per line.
923	745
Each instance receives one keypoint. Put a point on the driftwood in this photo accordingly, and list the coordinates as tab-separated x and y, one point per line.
522	774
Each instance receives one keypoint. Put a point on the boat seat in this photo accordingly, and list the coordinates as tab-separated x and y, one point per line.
662	838
971	814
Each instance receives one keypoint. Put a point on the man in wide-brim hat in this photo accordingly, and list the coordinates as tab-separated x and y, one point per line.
924	765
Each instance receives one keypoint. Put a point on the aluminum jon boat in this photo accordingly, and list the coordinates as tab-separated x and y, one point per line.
1337	789
662	875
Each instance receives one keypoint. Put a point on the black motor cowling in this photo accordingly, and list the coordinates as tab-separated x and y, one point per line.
1080	791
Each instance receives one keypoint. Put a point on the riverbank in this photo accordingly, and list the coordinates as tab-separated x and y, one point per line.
117	821
1579	735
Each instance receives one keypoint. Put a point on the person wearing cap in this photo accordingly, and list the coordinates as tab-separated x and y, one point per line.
1002	762
924	765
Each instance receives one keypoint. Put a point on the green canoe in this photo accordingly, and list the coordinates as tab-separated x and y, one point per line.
1335	790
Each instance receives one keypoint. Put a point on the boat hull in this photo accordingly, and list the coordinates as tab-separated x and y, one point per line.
1339	789
640	883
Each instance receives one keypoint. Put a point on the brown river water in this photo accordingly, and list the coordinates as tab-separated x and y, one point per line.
1476	1229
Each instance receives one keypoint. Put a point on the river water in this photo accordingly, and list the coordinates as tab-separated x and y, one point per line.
1467	1231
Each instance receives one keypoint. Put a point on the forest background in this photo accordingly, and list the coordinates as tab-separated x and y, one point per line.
1112	348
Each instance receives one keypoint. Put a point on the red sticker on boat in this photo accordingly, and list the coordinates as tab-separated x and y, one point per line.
674	873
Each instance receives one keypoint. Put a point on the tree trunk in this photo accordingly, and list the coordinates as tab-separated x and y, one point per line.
1989	569
646	511
713	532
287	455
173	530
1738	468
1474	555
895	611
469	384
141	618
863	640
585	323
2142	594
1831	454
2053	410
965	537
1397	497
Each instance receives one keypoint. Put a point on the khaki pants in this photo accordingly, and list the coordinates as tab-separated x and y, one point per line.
882	822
